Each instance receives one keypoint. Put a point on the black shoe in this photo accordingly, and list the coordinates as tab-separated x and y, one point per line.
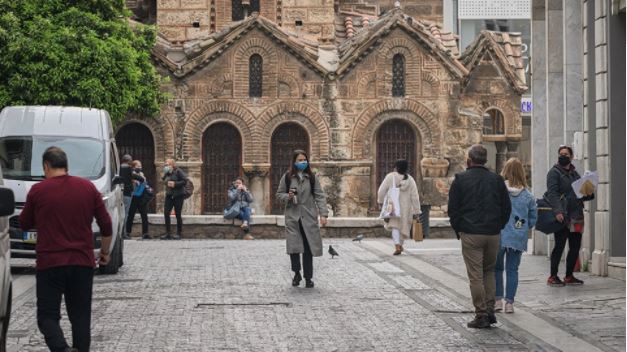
480	322
167	236
177	236
309	283
126	236
491	318
146	237
297	278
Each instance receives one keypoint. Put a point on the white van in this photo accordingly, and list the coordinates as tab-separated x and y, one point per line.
7	205
86	136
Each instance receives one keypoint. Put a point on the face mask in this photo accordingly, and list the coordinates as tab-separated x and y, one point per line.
138	170
301	165
564	160
166	169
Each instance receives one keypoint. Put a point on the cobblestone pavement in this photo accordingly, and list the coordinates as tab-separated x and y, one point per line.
223	295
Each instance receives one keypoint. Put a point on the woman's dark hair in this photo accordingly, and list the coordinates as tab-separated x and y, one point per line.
293	171
238	179
401	166
570	150
55	157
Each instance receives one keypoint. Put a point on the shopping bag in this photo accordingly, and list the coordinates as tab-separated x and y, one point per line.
391	203
416	231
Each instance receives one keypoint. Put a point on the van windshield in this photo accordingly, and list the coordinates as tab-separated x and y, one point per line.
21	157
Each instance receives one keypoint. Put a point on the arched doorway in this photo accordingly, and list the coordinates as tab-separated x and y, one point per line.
285	139
136	140
396	139
222	159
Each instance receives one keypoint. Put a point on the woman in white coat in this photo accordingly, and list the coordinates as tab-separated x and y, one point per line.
409	202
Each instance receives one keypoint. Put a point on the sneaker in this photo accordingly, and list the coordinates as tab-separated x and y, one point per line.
509	308
491	318
309	283
248	237
571	280
167	236
297	278
498	305
554	281
480	322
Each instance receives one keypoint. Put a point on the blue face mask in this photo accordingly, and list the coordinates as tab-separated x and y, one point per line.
301	165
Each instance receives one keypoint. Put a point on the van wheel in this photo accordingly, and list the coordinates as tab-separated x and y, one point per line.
114	262
4	327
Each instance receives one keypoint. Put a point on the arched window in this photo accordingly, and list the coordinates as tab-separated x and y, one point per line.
255	75
493	122
398	76
241	9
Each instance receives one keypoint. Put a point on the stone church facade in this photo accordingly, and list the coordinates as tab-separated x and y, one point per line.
358	84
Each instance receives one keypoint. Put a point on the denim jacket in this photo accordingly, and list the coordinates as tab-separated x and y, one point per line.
522	219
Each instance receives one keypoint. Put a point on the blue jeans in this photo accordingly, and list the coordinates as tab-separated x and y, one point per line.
244	214
511	258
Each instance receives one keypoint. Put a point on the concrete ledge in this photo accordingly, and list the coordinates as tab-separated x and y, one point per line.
616	268
279	220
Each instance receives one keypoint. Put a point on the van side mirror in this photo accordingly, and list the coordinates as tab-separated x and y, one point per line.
7	201
117	180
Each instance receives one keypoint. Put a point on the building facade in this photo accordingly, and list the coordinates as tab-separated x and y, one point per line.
578	84
358	84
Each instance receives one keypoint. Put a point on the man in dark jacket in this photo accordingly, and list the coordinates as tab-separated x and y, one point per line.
126	175
175	180
479	208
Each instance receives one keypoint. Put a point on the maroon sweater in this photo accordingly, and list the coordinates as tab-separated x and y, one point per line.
61	210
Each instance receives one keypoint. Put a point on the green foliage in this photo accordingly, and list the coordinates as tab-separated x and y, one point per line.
77	52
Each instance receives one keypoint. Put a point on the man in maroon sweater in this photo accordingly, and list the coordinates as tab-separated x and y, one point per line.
61	208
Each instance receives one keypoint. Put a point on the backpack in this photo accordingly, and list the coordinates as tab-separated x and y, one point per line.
189	188
288	181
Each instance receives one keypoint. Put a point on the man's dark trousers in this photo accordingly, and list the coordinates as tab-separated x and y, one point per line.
75	283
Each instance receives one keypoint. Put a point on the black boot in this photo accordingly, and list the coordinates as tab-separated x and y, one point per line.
297	278
309	283
481	321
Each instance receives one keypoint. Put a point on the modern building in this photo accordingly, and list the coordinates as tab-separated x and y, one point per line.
578	79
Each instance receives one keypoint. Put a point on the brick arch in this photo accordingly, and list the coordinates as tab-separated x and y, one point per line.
218	111
421	117
430	79
307	116
364	82
511	126
267	51
413	63
156	129
291	82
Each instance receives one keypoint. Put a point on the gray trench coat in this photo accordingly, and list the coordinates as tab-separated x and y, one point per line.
307	210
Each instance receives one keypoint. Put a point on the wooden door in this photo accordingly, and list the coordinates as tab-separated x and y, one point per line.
222	159
136	140
285	139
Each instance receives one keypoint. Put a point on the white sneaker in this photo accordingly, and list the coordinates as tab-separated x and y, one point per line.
498	305
509	308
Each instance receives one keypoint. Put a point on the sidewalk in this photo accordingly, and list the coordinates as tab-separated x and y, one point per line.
594	312
234	295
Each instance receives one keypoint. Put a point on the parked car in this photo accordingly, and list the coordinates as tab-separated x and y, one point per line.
7	207
87	137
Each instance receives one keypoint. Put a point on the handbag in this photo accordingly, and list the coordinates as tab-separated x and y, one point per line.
547	223
416	231
233	211
391	203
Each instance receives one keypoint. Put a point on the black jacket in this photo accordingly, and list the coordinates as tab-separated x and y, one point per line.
127	174
560	193
478	202
179	178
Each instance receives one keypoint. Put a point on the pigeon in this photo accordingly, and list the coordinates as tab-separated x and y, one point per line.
358	238
332	252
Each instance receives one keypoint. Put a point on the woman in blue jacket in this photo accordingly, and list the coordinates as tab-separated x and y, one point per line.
514	235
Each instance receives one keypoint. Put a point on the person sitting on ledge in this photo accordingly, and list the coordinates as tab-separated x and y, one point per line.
239	193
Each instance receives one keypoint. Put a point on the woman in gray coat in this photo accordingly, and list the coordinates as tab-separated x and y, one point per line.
304	199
